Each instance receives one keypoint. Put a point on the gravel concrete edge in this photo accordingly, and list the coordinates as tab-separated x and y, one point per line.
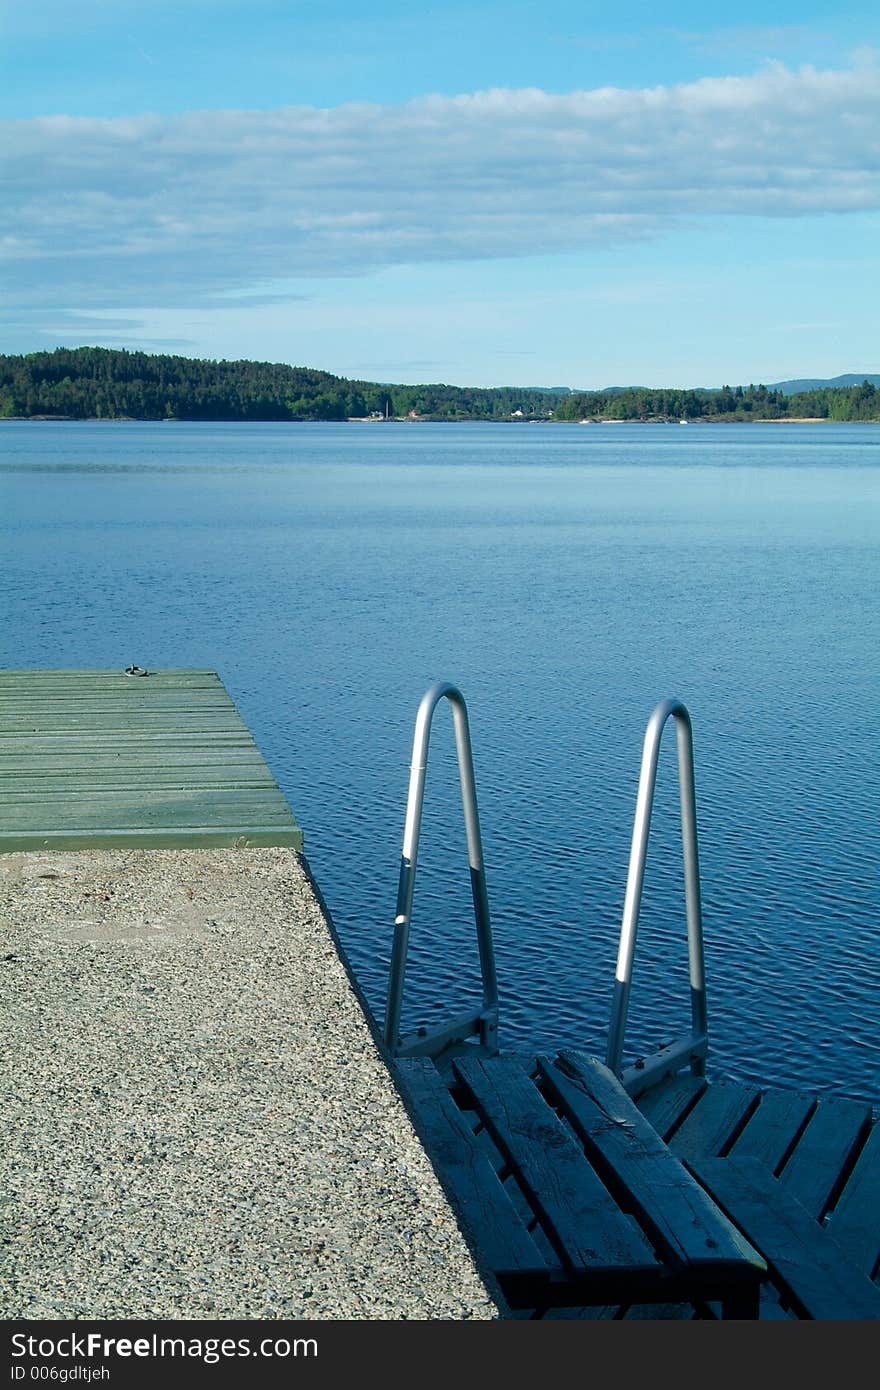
198	1122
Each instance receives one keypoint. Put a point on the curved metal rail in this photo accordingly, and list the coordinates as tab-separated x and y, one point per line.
483	1023
693	1046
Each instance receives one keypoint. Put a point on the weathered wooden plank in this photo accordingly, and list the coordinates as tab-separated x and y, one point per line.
133	825
771	1309
89	703
156	784
151	779
74	726
174	806
579	1213
69	682
76	802
815	1271
659	1312
770	1132
642	1172
76	764
53	743
250	836
96	836
111	695
835	1131
182	675
110	690
140	767
664	1106
855	1220
714	1121
489	1220
600	1313
138	723
93	759
27	712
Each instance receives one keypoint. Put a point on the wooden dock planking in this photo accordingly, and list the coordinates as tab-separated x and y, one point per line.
817	1273
94	759
824	1149
466	1173
713	1123
586	1241
838	1160
772	1131
855	1220
636	1164
534	1127
666	1105
584	1222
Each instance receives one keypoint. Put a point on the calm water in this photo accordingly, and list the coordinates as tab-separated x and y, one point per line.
566	578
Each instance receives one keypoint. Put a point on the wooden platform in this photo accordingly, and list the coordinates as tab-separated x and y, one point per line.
93	759
799	1174
568	1190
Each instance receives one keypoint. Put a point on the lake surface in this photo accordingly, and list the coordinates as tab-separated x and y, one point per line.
566	578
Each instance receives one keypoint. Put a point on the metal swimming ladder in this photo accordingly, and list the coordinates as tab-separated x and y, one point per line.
484	1022
692	1047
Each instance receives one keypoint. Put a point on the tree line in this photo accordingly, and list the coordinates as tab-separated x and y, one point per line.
107	384
728	403
110	384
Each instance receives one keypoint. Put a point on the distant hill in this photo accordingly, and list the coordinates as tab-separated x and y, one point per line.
791	388
788	388
542	390
101	383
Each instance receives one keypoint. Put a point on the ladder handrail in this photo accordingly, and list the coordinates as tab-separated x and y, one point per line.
693	1047
485	1021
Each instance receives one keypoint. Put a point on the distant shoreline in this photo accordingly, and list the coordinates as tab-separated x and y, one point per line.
90	383
407	420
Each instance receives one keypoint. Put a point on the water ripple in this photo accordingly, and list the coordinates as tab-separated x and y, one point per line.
330	578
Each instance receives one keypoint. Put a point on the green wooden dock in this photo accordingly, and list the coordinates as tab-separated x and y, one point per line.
96	759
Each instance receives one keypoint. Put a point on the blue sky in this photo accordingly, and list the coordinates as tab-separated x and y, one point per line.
478	193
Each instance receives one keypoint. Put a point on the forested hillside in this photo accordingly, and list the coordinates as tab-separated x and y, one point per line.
101	383
728	403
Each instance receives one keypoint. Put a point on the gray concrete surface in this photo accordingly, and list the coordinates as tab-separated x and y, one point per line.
196	1120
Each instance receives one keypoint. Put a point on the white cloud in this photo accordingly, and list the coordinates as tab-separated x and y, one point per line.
182	209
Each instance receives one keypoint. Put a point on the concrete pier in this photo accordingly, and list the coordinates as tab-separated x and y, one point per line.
197	1120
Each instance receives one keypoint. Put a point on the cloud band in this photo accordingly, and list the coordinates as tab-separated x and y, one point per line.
185	208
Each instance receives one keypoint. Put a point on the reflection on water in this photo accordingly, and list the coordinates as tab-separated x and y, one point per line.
566	579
